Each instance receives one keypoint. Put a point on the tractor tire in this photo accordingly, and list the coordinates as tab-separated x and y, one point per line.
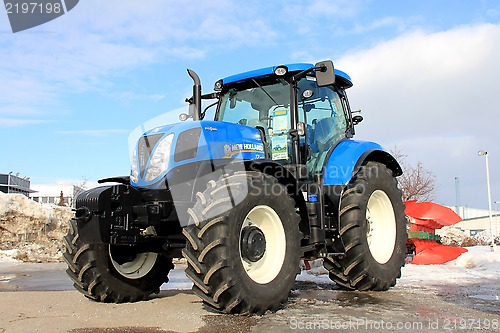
107	273
243	244
373	231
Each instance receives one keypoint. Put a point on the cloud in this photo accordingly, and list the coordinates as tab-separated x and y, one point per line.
433	93
95	133
429	83
13	122
86	49
385	22
128	96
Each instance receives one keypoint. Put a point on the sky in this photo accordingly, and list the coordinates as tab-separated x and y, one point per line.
425	76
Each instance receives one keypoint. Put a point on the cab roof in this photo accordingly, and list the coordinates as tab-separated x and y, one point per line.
341	78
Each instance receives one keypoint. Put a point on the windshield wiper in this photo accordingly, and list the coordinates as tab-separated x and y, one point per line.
264	90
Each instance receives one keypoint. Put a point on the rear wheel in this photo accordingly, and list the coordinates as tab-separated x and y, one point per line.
243	244
373	231
108	273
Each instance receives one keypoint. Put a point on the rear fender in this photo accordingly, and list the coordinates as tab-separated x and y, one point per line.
349	155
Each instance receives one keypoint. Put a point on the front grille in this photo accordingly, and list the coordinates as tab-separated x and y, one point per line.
144	149
91	199
187	144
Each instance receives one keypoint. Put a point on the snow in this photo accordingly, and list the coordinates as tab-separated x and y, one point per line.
31	231
476	264
473	266
451	235
8	256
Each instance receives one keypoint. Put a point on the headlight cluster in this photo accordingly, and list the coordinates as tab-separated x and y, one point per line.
158	162
134	172
160	158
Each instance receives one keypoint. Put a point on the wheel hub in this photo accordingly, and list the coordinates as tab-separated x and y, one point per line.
253	244
131	264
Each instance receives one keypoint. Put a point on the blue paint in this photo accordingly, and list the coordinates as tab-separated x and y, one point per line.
291	68
340	165
218	140
312	198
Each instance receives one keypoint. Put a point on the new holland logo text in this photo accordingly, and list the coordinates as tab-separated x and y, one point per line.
232	149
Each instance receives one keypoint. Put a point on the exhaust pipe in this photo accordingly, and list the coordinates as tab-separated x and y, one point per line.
195	105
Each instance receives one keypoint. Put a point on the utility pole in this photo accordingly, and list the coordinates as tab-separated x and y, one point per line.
485	154
457	197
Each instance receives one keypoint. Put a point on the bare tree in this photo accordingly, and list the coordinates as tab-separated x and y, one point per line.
416	182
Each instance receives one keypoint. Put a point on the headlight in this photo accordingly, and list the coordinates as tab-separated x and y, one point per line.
158	162
134	173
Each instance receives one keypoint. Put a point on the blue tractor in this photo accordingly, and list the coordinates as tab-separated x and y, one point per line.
275	178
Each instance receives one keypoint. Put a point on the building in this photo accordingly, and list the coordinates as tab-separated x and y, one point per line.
476	220
475	225
10	183
52	193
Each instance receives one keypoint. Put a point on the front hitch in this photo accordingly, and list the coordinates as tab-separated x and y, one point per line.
105	214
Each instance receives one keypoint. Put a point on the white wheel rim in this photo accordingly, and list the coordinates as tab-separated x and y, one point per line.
268	267
381	227
140	266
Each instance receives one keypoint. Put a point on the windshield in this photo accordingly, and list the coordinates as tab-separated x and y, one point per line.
266	108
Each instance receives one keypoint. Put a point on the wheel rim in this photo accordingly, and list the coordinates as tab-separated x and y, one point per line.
262	225
139	266
381	226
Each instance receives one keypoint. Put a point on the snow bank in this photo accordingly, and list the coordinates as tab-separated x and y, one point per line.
480	258
477	264
9	255
451	235
35	230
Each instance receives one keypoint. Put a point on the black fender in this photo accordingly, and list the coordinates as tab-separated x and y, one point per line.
212	170
380	156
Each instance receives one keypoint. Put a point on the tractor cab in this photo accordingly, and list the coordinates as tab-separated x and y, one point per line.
299	120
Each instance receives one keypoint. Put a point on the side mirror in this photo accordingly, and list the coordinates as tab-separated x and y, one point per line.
325	73
357	119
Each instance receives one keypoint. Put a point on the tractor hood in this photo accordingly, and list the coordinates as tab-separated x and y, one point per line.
164	148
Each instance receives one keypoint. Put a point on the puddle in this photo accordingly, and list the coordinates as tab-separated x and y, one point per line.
53	277
358	298
486	297
6	278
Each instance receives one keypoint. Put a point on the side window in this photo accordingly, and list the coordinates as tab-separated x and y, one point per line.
325	118
326	121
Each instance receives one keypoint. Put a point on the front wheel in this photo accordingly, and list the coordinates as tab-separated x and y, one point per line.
373	231
243	244
108	273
